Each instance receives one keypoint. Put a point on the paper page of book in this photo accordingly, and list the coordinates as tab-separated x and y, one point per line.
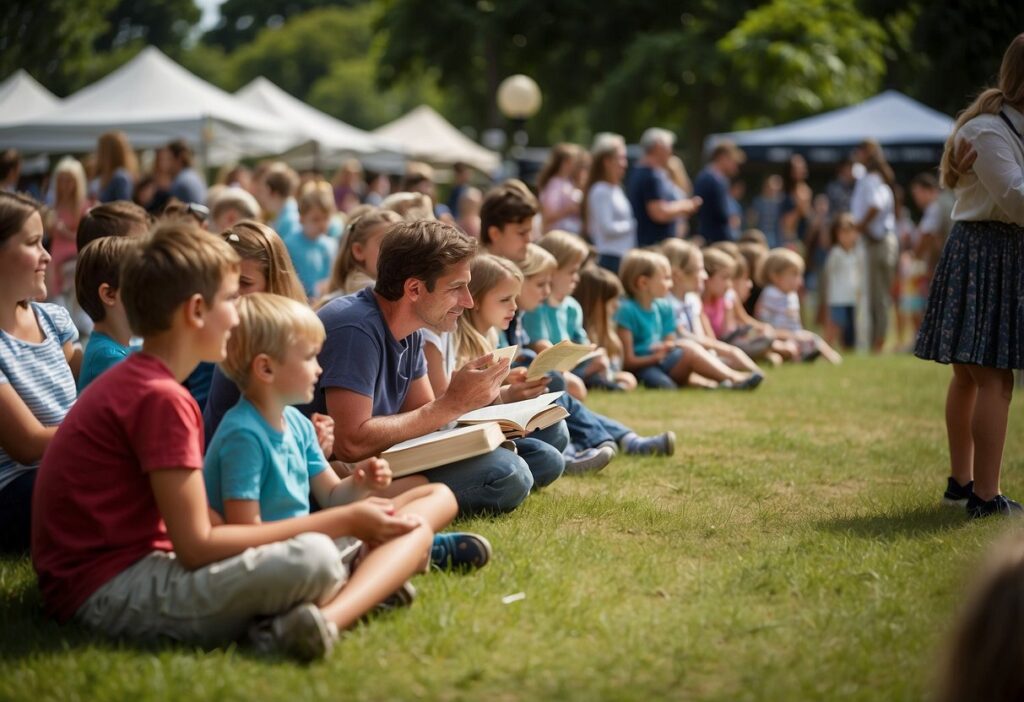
562	356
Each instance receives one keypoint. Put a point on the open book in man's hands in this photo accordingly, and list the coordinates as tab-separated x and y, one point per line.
563	356
439	448
517	419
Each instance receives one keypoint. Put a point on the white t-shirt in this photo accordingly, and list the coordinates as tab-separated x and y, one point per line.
994	188
610	220
843	272
779	309
445	343
871	191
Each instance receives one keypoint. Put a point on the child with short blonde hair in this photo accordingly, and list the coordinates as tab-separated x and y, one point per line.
265	459
647	329
779	304
311	249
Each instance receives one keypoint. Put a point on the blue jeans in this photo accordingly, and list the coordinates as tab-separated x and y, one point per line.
657	376
542	451
587	428
494	482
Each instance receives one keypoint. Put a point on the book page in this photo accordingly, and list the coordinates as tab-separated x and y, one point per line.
519	413
563	356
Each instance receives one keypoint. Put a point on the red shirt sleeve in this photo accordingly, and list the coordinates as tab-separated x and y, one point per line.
168	430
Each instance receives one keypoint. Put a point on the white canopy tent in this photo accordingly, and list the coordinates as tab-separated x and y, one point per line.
326	140
908	130
23	98
153	100
427	136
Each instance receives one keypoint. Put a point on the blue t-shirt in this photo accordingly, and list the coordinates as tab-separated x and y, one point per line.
312	258
647	325
119	187
647	184
39	374
361	355
101	353
713	215
250	460
198	382
189	187
287	222
556	323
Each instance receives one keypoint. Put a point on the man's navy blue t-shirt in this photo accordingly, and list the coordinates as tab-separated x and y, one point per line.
713	215
361	355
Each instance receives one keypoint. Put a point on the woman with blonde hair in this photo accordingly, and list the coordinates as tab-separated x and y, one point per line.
560	198
975	307
607	215
116	167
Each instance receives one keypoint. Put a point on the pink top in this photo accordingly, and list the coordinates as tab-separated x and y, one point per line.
557	195
715	310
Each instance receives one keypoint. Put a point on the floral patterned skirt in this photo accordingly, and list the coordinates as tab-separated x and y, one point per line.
975	311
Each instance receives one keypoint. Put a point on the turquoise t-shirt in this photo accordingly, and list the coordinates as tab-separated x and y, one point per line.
556	323
250	460
312	258
647	325
101	353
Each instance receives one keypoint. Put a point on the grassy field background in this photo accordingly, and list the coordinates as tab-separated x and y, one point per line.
793	549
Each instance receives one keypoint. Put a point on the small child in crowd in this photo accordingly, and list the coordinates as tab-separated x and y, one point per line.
356	265
779	304
275	192
689	278
716	303
646	326
598	293
97	277
560	318
311	249
844	270
124	541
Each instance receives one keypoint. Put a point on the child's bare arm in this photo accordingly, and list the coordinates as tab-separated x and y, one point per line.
630	361
181	498
242	512
366	477
21	435
73	353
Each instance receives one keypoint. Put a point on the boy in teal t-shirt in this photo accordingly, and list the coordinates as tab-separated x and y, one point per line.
97	275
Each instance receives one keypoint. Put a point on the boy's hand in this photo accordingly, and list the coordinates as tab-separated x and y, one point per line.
324	426
659	350
374	521
476	384
372	474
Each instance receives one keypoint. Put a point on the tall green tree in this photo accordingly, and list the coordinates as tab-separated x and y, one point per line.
161	23
51	39
242	20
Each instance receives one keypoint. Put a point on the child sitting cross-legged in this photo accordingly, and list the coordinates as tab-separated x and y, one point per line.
779	304
646	326
123	539
266	458
96	288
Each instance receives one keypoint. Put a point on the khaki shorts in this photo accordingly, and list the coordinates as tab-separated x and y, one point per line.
212	606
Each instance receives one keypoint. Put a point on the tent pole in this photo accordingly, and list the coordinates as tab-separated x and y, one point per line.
205	135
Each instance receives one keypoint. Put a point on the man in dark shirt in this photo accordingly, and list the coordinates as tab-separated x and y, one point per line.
712	185
657	202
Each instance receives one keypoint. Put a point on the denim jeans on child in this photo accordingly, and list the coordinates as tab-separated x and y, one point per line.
657	376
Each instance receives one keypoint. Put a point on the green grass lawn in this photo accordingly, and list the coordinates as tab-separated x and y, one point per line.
793	549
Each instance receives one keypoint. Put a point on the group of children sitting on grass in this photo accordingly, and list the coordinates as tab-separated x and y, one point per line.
153	515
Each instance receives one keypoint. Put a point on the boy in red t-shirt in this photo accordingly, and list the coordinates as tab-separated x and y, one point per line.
123	539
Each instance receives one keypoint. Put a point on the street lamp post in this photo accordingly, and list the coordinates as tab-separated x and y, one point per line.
519	99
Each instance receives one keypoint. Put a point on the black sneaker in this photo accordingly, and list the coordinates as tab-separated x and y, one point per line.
1000	504
956	495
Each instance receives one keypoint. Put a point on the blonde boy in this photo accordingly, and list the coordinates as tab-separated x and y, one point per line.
123	540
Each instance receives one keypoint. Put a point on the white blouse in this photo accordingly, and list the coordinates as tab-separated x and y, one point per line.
994	188
610	219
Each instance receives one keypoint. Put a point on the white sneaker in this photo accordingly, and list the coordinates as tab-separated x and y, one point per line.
590	461
302	633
